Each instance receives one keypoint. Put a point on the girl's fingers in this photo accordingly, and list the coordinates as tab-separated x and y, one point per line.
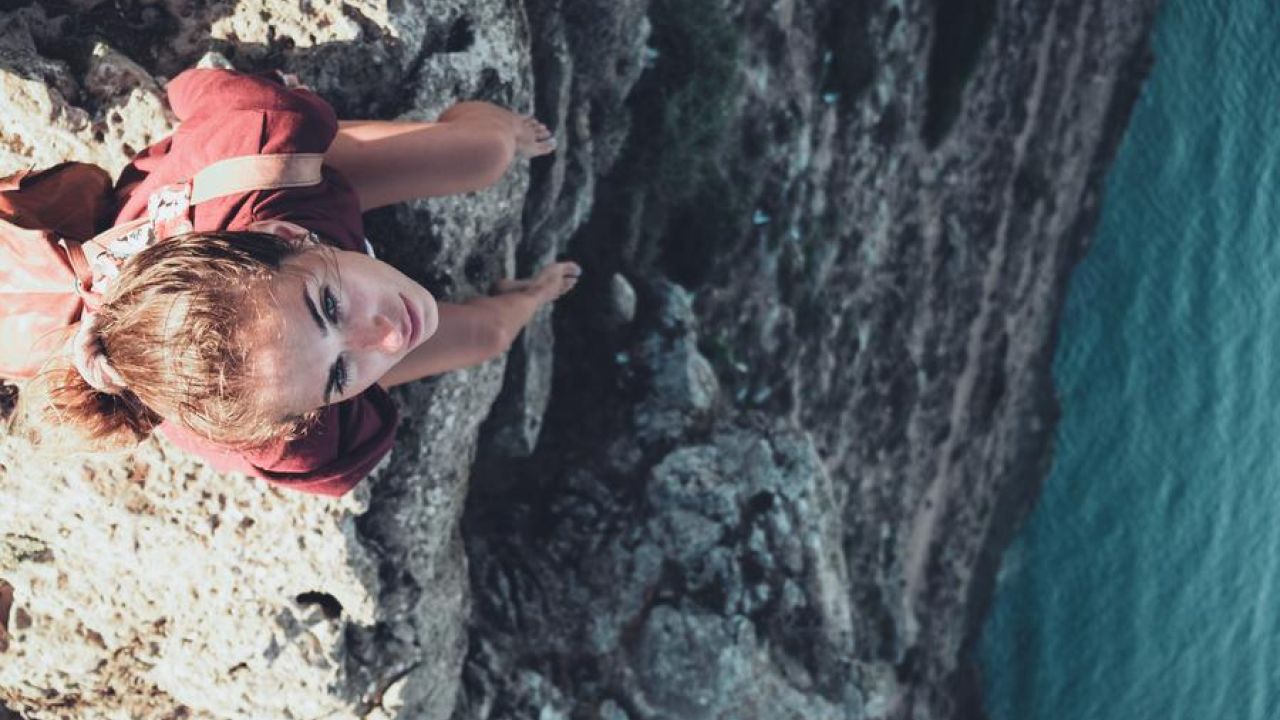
537	149
535	138
567	274
540	149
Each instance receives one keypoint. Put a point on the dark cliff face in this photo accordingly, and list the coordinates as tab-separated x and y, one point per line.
862	218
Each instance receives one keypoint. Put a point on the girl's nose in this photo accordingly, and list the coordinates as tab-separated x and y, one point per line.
380	333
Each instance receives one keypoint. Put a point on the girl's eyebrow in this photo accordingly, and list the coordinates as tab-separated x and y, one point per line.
311	307
328	387
324	330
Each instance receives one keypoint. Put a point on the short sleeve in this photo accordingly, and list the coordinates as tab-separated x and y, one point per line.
201	93
348	441
225	114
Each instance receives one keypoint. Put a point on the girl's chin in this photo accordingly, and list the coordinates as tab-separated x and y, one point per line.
430	319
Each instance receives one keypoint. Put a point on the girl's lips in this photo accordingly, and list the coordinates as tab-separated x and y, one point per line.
414	322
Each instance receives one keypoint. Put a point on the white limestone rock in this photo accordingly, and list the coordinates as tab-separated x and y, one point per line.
148	585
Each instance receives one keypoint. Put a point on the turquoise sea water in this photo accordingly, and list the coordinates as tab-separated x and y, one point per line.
1146	584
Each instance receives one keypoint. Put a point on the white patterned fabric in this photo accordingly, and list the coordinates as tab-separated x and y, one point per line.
106	266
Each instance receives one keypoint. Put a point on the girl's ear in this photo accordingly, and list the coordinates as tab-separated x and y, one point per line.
283	228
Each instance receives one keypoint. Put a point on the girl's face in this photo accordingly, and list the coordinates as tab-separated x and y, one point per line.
337	322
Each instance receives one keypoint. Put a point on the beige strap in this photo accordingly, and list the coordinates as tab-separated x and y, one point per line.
229	177
256	172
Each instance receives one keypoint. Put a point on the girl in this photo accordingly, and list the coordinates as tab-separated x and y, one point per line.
264	340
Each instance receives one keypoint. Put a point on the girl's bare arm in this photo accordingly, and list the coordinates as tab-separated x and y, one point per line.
482	328
470	147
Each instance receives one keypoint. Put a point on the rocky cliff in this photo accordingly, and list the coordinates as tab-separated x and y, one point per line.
761	464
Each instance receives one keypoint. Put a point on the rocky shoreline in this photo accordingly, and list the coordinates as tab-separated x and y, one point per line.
901	251
761	464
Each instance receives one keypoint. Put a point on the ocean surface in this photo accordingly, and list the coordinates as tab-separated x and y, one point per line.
1146	584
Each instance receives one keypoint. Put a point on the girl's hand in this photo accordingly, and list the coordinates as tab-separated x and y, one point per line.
548	285
533	139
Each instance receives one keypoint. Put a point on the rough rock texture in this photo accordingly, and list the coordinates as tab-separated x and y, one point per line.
876	208
761	464
161	589
691	568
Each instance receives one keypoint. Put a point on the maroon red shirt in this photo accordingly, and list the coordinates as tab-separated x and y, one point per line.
226	114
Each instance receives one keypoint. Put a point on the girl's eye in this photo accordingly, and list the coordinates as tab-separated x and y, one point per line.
330	305
340	376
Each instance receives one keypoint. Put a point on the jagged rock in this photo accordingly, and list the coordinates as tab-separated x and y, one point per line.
715	579
129	103
516	420
873	210
682	384
39	126
143	592
609	710
112	76
621	308
717	586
